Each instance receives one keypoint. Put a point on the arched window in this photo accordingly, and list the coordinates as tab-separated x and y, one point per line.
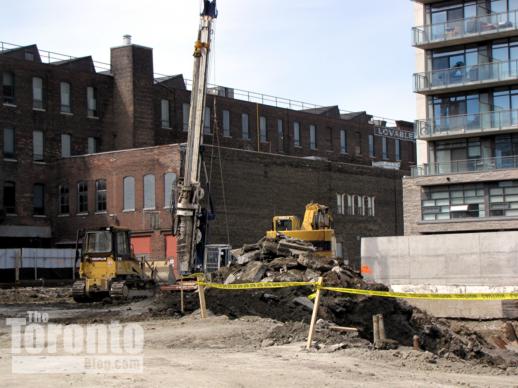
149	191
350	207
340	203
169	187
357	205
129	193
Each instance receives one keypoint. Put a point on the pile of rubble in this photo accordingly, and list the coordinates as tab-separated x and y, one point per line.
288	260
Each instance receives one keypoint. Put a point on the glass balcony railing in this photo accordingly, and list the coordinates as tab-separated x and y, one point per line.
463	28
464	166
466	75
467	124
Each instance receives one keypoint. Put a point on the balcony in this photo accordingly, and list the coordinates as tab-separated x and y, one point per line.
496	25
466	77
465	166
468	125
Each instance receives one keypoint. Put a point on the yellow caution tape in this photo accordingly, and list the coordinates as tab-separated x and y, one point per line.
312	296
250	286
386	294
411	295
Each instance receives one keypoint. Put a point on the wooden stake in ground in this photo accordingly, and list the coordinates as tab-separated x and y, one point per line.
182	309
314	315
201	293
381	326
375	329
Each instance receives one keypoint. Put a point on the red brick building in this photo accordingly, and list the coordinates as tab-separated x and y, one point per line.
84	148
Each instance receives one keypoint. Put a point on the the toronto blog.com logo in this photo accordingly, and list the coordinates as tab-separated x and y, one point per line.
39	346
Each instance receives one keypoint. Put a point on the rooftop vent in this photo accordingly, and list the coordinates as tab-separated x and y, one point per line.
126	40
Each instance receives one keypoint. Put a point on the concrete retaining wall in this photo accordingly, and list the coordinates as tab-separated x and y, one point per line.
448	263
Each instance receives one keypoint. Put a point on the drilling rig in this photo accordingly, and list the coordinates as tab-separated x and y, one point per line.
188	212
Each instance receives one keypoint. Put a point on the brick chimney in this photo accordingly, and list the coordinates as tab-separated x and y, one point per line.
132	69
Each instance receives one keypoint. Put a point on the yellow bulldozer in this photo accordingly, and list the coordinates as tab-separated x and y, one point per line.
109	268
316	228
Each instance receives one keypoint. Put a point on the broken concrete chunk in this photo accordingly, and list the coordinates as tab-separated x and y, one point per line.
311	276
317	263
248	257
304	302
293	275
281	262
253	272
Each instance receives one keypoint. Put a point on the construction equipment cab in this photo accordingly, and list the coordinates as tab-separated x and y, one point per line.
108	268
317	228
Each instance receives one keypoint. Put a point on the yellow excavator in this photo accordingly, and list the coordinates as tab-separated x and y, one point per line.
109	268
317	228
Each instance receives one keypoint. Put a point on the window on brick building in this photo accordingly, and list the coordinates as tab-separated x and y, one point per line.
384	148
165	114
169	187
358	145
263	131
65	97
372	147
64	199
207	121
368	206
82	197
8	87
129	193
312	137
38	199
91	97
226	123
10	197
343	141
92	145
9	143
296	134
100	195
149	191
37	146
350	207
397	149
280	134
37	93
245	133
357	205
65	145
340	208
185	116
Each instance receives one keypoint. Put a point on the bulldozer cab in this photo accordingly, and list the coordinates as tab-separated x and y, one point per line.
284	223
100	244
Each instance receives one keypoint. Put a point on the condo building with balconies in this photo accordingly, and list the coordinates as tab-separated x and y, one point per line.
466	83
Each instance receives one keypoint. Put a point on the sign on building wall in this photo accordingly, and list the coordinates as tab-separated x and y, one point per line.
394	133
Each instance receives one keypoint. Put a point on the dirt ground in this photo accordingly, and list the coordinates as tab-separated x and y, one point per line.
248	351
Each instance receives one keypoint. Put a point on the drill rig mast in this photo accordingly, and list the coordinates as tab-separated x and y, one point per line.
190	193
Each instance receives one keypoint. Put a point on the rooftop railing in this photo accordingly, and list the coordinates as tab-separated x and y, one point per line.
52	57
467	124
465	166
466	75
463	28
239	94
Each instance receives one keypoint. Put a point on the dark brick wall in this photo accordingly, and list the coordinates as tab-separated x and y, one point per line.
258	184
257	187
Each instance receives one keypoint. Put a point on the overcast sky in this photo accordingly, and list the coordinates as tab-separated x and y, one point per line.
356	54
